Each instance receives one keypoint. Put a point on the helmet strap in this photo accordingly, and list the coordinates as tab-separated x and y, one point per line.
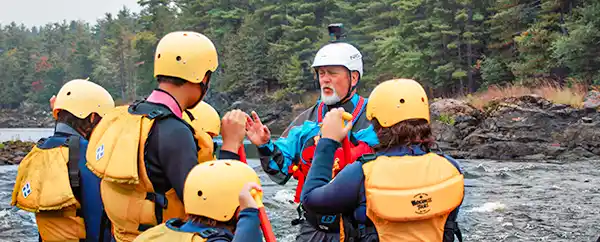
203	89
350	90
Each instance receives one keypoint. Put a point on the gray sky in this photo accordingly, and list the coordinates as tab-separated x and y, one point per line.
40	12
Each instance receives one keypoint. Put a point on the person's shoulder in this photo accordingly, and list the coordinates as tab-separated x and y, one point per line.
452	161
308	112
305	115
174	127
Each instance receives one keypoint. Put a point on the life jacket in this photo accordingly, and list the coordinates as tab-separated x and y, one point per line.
206	144
117	155
409	198
173	231
53	182
300	169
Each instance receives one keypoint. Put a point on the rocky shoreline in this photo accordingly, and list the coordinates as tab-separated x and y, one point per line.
517	128
27	116
12	152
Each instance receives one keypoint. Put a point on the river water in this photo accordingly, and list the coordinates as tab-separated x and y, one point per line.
504	201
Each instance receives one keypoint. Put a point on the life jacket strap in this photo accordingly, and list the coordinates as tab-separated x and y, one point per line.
73	163
366	158
355	113
214	234
104	225
160	203
450	229
72	142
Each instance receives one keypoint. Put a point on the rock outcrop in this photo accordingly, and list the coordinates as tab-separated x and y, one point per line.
524	128
26	116
12	152
516	128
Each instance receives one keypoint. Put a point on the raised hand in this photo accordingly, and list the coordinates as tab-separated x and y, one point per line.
257	133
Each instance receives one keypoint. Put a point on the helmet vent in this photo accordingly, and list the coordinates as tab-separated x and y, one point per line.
158	56
178	58
68	93
402	100
199	193
422	99
227	163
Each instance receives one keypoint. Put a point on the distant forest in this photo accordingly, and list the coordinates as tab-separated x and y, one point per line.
266	46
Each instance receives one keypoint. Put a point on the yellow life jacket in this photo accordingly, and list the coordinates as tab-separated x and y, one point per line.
409	198
169	232
116	153
43	187
206	146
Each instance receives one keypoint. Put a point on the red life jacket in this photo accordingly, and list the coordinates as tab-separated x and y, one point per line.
299	170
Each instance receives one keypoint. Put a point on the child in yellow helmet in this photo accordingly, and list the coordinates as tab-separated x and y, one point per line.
52	180
403	192
218	204
206	129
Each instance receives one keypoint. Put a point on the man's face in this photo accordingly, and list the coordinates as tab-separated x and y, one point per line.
334	81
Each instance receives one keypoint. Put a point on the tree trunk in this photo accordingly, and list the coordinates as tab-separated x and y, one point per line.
470	53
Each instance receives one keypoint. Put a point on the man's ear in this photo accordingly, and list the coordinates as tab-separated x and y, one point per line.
355	76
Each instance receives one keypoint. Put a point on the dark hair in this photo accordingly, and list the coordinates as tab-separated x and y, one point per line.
230	225
169	79
405	133
83	126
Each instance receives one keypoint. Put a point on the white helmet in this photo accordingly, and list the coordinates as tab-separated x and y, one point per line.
339	54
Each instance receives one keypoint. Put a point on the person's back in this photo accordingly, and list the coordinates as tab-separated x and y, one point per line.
402	192
52	179
218	205
144	151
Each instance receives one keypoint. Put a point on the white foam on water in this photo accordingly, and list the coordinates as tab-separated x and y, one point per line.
4	213
489	207
284	196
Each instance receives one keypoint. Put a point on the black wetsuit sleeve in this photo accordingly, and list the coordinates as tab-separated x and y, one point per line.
178	153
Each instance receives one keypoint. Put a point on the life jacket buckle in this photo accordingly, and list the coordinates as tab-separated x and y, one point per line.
155	113
367	157
209	232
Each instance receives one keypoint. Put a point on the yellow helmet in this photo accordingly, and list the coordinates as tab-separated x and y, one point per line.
208	120
212	188
186	55
394	101
81	98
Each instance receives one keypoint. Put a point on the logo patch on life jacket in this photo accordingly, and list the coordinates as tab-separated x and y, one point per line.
99	152
26	190
421	201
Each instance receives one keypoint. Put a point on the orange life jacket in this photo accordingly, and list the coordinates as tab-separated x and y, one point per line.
116	153
409	198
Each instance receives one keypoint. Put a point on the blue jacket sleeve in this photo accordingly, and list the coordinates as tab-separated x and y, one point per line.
321	194
248	226
451	228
